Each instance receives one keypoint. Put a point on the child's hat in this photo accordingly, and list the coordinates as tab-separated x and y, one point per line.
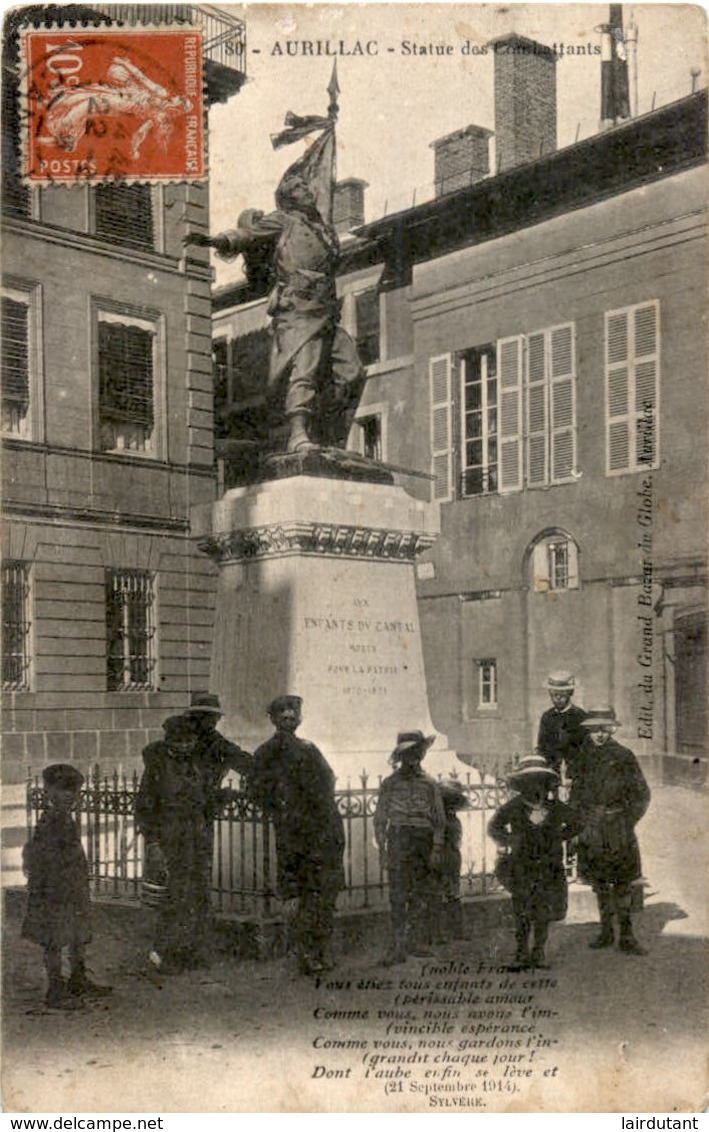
409	740
561	682
601	719
63	776
531	766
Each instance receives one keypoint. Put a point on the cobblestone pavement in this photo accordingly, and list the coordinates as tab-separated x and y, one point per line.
630	1033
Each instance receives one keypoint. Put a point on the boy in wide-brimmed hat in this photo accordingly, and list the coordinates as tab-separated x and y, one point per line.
59	907
611	795
532	827
409	827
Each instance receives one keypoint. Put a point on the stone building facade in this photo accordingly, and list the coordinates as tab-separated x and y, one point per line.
540	368
107	440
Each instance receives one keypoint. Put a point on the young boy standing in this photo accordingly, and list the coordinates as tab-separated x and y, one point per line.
59	906
532	827
409	826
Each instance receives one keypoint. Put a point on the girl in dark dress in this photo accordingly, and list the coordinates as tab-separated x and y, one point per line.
532	827
59	908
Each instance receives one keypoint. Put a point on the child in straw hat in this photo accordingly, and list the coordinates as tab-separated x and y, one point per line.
532	826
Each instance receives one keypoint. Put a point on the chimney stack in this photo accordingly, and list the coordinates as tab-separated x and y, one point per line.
525	100
461	158
348	205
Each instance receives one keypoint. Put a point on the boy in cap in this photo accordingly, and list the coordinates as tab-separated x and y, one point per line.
611	795
532	827
409	827
59	907
561	736
294	785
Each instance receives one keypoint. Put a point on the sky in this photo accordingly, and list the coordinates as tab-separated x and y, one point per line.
393	105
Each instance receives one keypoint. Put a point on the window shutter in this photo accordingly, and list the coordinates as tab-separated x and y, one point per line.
646	334
440	378
125	374
562	395
15	346
617	391
509	369
537	472
573	564
124	215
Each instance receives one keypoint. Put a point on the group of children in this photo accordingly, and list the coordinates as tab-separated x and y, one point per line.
419	834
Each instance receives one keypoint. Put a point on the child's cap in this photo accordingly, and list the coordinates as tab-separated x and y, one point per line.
63	776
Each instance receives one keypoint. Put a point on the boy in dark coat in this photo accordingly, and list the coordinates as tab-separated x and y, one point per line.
611	795
533	826
178	799
59	908
294	785
561	736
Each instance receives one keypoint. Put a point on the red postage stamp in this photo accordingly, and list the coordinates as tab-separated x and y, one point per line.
114	104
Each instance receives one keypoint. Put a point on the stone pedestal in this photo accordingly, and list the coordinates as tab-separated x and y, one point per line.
316	598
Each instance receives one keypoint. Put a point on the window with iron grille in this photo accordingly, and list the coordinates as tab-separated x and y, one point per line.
123	214
130	630
15	627
478	376
487	682
126	365
367	322
15	362
558	565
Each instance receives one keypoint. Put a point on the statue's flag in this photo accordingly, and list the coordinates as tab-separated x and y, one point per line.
317	165
615	102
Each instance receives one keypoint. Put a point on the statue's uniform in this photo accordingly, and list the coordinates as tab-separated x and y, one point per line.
312	355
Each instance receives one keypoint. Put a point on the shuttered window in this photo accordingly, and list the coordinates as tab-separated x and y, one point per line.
551	406
20	376
16	199
123	214
130	630
517	413
632	388
537	417
562	403
126	380
15	352
440	392
509	369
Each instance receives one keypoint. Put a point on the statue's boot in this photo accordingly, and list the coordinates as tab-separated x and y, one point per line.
299	439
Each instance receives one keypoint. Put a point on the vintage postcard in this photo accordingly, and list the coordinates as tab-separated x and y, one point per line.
354	623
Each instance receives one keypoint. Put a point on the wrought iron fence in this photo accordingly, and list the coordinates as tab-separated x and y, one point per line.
244	875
